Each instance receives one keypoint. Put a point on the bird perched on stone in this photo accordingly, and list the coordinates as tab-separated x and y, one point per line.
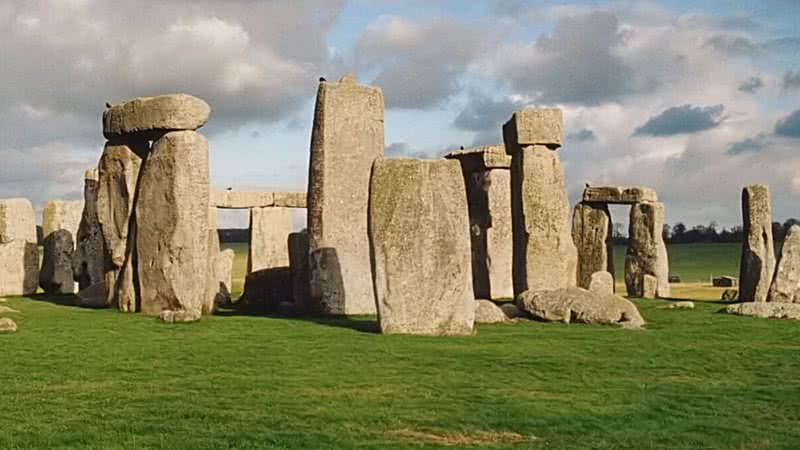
462	147
587	185
229	188
108	105
322	79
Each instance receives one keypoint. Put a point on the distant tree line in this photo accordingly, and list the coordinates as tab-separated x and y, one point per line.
708	234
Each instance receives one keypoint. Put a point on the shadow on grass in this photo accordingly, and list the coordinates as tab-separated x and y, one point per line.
362	324
60	300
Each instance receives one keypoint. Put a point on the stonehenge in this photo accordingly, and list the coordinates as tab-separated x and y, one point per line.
786	283
55	276
89	256
646	255
347	136
19	254
758	253
575	304
591	233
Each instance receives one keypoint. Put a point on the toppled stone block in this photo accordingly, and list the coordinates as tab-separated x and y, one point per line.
7	325
486	311
419	237
620	195
169	316
764	310
758	253
151	117
679	305
579	305
512	311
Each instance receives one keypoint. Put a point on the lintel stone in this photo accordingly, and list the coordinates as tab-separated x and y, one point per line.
623	195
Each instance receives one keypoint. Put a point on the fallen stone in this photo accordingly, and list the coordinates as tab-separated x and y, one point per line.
647	253
730	295
419	238
347	137
679	305
512	311
169	316
7	325
117	188
487	311
758	254
602	283
151	117
290	199
298	265
172	225
763	310
93	296
591	233
269	231
55	277
6	309
539	126
786	283
579	305
89	257
241	200
619	195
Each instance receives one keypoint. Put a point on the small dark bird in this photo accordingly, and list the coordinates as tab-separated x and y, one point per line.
462	147
229	189
108	105
322	79
587	185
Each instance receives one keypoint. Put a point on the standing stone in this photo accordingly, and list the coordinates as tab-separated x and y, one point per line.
117	190
602	283
786	284
214	286
269	228
223	267
419	237
758	253
87	262
56	274
647	253
19	253
347	137
298	265
591	232
172	225
62	215
488	181
545	257
649	286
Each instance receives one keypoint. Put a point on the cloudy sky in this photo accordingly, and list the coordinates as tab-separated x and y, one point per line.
695	101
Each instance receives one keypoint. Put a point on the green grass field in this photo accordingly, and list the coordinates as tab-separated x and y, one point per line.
73	378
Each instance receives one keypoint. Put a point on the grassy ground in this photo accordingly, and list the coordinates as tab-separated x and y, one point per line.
73	378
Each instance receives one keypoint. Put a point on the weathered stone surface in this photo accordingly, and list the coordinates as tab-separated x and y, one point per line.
758	253
622	195
729	295
7	325
117	189
19	254
545	257
94	296
591	233
62	215
6	309
290	199
533	126
482	158
269	231
214	286
649	286
241	200
786	283
180	315
486	311
172	224
224	269
489	201
763	310
602	283
150	117
579	305
265	289
512	311
298	265
55	276
419	238
647	253
679	305
347	137
89	257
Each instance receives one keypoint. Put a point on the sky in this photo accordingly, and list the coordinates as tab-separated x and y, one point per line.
695	99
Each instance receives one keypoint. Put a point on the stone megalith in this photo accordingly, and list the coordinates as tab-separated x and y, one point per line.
346	138
591	233
19	253
172	225
580	305
62	215
214	286
89	257
758	253
147	118
602	283
647	253
269	229
786	283
487	177
545	257
420	245
55	276
298	266
117	189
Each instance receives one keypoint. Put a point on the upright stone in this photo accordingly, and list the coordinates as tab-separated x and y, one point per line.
786	284
269	229
214	286
647	253
591	233
545	257
62	215
488	182
172	225
347	137
298	265
56	275
758	253
19	253
419	237
117	191
87	262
